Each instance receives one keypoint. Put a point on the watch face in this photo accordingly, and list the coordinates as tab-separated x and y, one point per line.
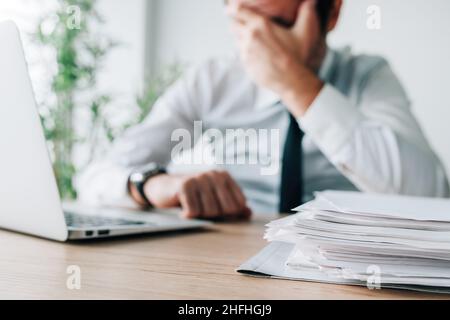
137	177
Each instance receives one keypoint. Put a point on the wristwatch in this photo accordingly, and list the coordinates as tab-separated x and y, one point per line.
140	176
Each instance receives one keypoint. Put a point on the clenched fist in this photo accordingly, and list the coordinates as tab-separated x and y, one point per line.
210	195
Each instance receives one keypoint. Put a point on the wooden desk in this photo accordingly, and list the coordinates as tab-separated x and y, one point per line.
194	265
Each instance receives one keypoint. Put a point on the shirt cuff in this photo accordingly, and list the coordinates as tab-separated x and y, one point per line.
105	185
330	120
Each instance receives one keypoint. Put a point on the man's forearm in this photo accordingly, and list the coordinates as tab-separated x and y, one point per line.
302	91
105	184
159	191
371	153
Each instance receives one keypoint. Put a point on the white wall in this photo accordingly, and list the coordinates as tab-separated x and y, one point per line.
124	70
415	37
188	31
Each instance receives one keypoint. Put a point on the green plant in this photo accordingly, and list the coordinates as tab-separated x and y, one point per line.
79	52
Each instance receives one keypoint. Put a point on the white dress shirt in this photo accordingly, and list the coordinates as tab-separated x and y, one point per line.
360	134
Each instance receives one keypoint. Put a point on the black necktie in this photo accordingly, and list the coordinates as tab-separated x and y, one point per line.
292	169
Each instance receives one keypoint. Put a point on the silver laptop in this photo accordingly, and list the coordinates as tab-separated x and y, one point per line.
29	197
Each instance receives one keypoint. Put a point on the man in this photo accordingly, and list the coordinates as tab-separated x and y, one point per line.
344	122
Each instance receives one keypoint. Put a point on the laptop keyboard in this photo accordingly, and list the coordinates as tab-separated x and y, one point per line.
84	221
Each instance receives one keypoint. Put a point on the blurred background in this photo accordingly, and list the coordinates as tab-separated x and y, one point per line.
132	50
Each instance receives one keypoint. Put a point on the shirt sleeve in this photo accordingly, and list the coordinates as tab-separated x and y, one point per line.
376	141
105	182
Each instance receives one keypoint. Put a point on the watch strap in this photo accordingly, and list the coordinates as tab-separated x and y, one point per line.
146	173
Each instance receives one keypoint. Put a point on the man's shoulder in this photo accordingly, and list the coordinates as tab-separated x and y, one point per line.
353	72
359	64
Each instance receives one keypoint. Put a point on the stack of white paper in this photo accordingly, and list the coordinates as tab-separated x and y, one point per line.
355	238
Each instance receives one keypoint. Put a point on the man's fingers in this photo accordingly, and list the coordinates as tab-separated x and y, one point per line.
190	201
248	21
242	14
247	214
209	200
236	192
225	199
236	197
238	29
307	18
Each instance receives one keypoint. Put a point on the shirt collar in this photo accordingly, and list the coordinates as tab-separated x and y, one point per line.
266	98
